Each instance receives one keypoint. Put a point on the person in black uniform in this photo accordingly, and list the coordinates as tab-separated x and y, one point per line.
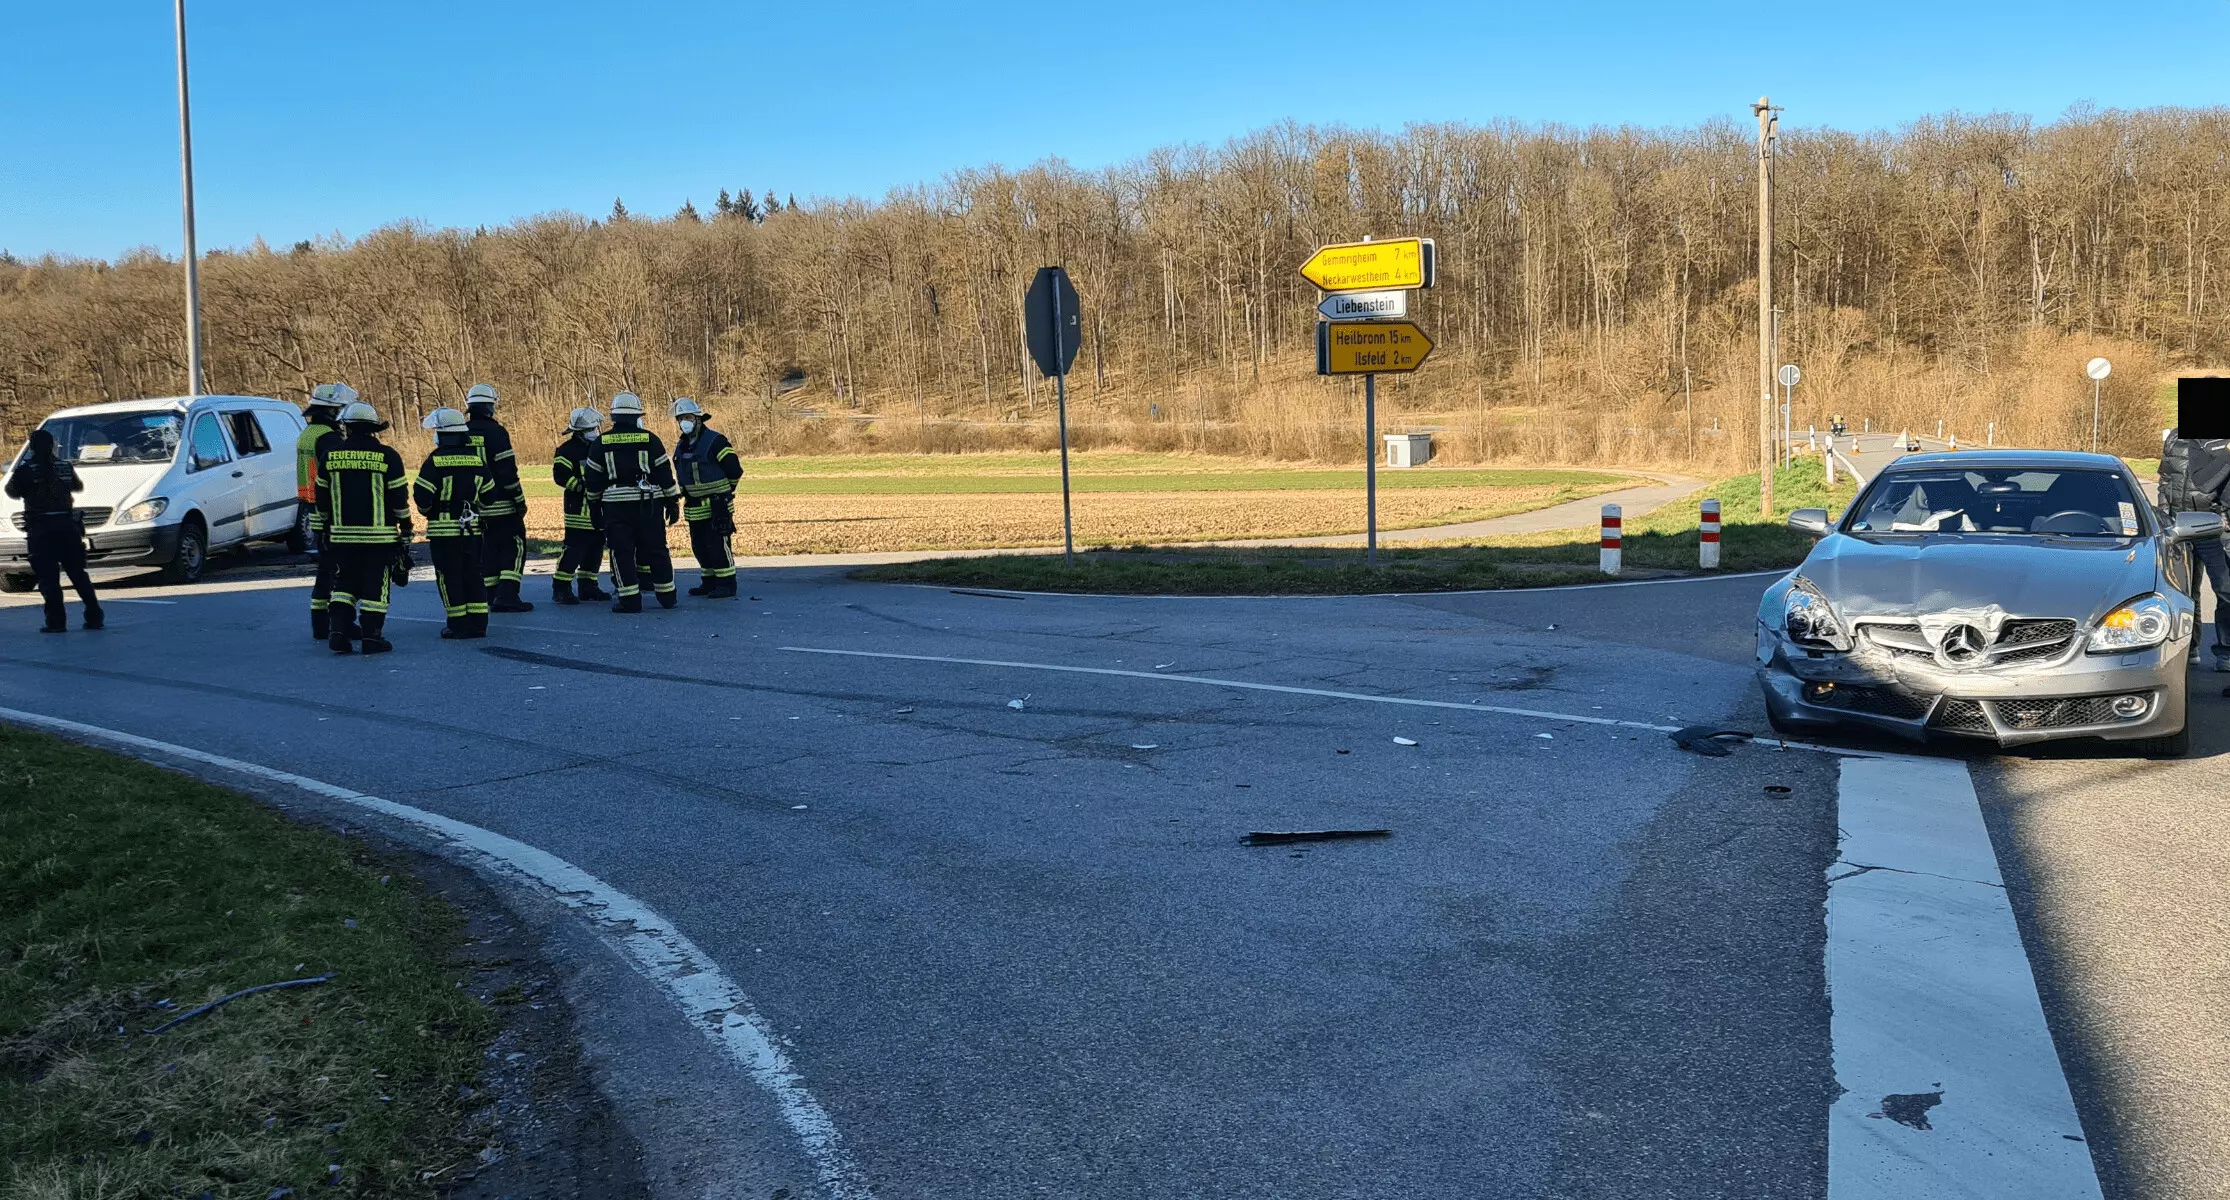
706	467
584	524
631	479
48	488
319	418
365	497
503	524
452	484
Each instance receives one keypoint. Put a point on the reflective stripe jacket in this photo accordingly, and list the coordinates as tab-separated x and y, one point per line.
362	491
630	463
452	486
707	468
489	435
305	460
566	471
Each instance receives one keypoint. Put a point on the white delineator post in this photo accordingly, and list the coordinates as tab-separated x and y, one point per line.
1707	538
1830	461
1611	535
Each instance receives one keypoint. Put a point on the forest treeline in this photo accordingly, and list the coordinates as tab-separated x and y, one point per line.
1596	295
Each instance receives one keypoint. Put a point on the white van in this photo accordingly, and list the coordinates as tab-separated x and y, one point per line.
168	482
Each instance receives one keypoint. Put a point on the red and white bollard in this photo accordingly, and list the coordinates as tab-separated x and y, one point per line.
1611	535
1707	540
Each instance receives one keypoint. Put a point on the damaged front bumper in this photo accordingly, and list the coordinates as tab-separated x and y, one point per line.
2119	697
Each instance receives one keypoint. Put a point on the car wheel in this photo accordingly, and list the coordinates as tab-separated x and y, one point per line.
193	553
298	538
12	582
2175	745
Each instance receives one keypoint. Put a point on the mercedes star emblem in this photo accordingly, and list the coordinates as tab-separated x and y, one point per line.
1962	644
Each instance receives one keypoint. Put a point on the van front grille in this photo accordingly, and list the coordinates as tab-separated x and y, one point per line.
94	518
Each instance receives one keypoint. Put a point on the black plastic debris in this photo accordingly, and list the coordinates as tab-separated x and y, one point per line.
1778	789
1703	739
1261	838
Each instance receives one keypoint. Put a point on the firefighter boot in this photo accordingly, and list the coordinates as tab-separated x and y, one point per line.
628	604
561	591
706	586
724	588
375	628
321	625
507	599
590	590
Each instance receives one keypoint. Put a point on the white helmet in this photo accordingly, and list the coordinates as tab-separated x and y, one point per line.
356	412
331	395
627	404
584	419
445	420
686	407
481	393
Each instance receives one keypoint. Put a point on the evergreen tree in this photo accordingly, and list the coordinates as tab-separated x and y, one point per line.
689	213
772	205
746	207
793	202
619	211
722	205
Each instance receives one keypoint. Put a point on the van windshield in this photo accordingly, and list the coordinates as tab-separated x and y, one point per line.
121	437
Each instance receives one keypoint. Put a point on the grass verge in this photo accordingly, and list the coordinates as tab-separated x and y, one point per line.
129	894
1664	541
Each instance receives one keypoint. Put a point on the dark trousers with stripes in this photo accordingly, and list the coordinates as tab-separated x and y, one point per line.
503	551
582	557
360	587
708	540
640	560
464	596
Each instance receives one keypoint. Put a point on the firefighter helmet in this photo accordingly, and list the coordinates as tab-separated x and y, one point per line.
627	404
356	412
445	420
584	419
481	393
331	395
686	407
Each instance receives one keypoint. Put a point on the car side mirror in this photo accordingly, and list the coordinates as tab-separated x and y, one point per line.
1809	520
2194	526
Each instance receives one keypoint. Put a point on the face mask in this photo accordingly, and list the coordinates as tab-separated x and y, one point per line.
591	434
688	427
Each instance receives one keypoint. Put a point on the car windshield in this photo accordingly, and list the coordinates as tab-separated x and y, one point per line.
2016	500
122	437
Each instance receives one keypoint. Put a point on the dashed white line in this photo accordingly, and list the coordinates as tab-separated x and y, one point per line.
649	942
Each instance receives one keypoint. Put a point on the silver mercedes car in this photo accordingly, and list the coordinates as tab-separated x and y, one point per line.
2015	595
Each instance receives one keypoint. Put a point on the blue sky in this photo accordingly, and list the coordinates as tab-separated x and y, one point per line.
317	117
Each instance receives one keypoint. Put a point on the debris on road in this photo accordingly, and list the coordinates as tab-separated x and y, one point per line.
1164	666
1261	838
1014	704
903	711
1778	789
796	807
1145	745
1703	739
1341	752
1402	741
191	1013
1548	736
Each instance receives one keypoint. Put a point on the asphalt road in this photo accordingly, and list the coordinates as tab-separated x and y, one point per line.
1019	951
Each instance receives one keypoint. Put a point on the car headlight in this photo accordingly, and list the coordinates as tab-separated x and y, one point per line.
2142	622
145	510
1810	620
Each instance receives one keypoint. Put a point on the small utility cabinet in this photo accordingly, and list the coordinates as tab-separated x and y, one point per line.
1408	449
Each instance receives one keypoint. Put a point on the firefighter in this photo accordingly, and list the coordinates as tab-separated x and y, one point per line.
54	529
706	467
584	524
452	485
321	417
630	479
503	524
365	497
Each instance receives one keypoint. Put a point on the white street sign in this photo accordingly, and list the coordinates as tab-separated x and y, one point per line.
1789	374
2098	368
1365	306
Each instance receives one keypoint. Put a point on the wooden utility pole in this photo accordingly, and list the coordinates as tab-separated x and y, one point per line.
1768	126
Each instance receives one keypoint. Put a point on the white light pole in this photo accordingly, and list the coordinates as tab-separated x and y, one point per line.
186	185
2098	369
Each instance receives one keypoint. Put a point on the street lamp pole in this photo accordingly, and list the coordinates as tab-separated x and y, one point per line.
1768	126
186	185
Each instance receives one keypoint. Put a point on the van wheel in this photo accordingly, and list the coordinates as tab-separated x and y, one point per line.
298	538
193	553
12	582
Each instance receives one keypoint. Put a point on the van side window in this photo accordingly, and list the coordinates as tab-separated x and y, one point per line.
247	436
208	443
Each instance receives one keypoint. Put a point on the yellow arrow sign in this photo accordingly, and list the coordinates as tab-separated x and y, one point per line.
1363	266
1369	347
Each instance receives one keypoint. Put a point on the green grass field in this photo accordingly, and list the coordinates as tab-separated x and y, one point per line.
1663	541
980	474
130	894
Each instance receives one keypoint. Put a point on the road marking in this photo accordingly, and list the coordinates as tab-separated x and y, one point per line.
1953	1087
499	625
649	942
1518	591
1537	714
134	600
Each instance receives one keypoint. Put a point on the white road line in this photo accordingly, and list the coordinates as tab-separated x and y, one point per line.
1519	591
1537	714
1953	1088
649	942
133	600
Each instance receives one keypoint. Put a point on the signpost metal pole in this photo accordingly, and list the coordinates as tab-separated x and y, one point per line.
1370	466
186	184
1051	311
1061	393
2098	369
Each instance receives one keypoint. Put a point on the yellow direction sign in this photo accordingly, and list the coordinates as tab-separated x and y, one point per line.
1364	266
1369	347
